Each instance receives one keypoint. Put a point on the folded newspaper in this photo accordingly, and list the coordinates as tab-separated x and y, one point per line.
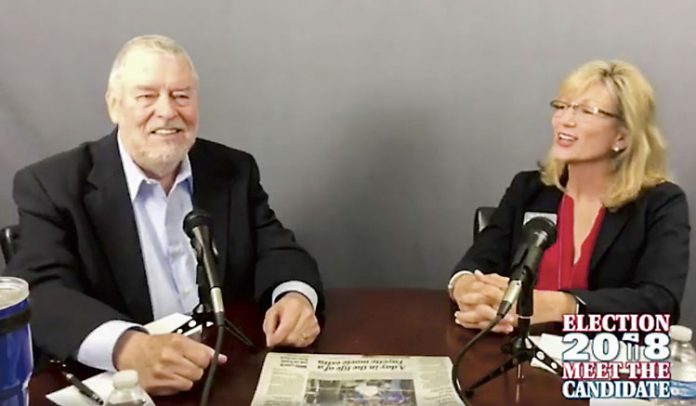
319	379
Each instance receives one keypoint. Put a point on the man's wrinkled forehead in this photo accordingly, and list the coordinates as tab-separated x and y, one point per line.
144	67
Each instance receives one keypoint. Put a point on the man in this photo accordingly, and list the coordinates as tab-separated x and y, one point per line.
102	240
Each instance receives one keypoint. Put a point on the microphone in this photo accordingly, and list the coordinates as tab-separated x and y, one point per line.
540	233
197	227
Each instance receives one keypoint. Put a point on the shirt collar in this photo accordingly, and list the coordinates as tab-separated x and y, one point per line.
135	176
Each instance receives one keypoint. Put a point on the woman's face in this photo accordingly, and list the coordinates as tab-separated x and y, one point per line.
584	129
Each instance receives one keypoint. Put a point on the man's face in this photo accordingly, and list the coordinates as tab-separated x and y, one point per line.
155	105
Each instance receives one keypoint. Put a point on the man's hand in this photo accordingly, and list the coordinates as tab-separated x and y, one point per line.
478	297
291	322
167	363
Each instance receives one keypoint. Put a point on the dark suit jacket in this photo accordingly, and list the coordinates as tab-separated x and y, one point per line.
80	249
640	259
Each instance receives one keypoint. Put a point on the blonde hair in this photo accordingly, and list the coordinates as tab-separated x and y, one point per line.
641	165
154	43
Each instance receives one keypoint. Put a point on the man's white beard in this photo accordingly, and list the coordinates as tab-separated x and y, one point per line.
165	159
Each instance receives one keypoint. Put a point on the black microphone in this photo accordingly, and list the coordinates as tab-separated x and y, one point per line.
197	227
540	233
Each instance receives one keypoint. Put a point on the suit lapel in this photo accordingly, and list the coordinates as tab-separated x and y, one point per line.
211	192
111	212
612	225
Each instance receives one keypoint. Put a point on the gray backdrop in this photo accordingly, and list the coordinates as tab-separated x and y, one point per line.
379	125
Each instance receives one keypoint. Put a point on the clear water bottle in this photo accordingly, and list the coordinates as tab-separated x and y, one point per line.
683	369
127	392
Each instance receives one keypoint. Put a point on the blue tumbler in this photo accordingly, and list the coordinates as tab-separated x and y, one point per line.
16	360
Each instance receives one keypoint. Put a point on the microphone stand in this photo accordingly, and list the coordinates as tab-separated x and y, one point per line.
521	348
202	314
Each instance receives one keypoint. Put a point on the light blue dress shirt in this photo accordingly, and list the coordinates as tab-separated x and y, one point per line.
170	264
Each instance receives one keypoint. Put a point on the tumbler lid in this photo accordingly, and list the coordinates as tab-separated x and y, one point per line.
12	291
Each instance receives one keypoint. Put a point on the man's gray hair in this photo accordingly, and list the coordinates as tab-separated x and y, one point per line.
155	43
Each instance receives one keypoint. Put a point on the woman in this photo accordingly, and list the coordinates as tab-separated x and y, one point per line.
623	228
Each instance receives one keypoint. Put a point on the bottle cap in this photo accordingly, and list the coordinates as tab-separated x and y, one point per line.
127	378
680	333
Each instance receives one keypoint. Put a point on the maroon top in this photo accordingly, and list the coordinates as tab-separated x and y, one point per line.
556	270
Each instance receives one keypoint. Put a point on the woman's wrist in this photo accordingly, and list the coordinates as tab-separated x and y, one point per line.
460	280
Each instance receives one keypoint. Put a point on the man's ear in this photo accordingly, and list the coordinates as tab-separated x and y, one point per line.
112	105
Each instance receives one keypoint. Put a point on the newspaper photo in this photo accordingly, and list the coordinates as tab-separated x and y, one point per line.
336	380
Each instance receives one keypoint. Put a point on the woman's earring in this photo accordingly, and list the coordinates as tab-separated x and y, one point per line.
616	149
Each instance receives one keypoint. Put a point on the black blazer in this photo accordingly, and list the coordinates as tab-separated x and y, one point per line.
80	250
640	259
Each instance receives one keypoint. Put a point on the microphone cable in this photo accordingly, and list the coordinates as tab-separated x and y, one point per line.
213	367
460	357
